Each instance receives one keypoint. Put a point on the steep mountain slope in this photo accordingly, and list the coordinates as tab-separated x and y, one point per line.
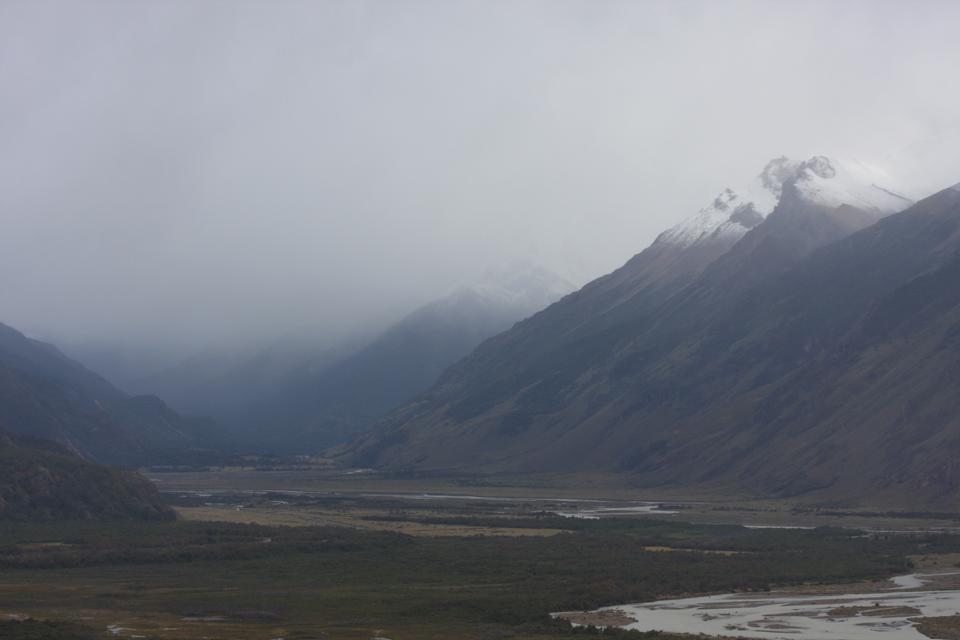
294	396
556	343
327	407
45	394
120	363
41	480
846	370
762	382
822	201
228	384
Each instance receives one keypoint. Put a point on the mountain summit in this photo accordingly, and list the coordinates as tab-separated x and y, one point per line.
734	211
303	399
834	183
520	284
818	180
319	409
805	359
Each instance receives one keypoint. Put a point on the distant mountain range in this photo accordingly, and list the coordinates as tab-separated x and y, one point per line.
315	411
292	397
798	337
45	394
229	386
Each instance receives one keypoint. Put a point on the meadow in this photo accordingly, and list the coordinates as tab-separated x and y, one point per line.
188	580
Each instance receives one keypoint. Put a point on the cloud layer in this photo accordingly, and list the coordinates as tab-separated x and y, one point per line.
214	172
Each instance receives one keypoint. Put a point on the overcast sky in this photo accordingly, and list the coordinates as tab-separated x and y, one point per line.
199	171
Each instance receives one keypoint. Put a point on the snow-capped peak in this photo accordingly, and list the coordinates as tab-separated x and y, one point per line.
833	183
520	284
820	180
734	211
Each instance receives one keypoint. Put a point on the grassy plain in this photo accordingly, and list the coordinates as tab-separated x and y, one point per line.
285	558
550	491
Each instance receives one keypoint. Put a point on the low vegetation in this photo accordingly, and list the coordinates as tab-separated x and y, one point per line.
46	630
41	480
942	627
191	579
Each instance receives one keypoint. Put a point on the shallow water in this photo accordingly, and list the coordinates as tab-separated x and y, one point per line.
653	508
917	580
796	617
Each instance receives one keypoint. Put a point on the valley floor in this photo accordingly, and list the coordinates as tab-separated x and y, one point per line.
571	494
261	555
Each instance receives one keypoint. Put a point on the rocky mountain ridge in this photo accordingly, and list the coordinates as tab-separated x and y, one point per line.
725	375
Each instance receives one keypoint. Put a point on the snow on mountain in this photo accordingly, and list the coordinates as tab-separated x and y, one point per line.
833	183
520	285
820	180
734	212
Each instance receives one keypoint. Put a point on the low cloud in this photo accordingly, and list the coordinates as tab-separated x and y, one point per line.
221	172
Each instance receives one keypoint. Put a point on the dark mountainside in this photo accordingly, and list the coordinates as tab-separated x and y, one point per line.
783	369
45	394
290	398
231	387
551	345
318	411
42	480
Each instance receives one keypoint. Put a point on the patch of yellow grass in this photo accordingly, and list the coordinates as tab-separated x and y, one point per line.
717	552
305	517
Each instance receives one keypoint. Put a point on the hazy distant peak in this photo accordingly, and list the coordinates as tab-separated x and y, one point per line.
734	211
521	284
835	182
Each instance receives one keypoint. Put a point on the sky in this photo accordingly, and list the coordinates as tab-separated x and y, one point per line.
224	172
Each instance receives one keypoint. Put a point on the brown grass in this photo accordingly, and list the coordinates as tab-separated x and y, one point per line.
943	627
303	517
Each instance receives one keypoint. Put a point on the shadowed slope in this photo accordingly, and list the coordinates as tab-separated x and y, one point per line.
777	371
43	393
41	480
